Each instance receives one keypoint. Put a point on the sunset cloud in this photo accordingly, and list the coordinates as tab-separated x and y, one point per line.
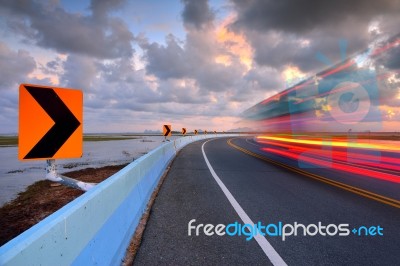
193	63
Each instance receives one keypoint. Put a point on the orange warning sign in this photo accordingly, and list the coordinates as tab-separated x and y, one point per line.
167	131
50	122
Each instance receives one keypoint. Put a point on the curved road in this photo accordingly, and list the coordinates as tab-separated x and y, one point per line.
225	181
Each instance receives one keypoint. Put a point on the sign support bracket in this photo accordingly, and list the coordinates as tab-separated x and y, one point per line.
51	174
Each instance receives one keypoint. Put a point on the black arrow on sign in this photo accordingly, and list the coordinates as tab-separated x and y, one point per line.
167	130
65	123
183	131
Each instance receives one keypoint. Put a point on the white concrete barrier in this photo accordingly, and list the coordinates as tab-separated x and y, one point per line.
96	228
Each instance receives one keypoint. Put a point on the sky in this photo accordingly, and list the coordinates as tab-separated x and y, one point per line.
196	64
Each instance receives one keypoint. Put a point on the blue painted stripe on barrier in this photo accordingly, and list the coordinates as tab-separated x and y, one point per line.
76	232
123	220
143	192
56	220
117	226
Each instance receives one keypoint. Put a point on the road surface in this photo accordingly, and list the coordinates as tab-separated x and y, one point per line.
242	186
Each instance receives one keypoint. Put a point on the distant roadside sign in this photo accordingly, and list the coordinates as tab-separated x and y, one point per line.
195	131
167	130
183	131
205	131
50	122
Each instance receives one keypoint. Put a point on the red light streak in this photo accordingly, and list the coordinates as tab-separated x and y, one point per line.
336	165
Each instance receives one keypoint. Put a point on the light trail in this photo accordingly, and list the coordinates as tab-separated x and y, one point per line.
338	166
362	158
336	143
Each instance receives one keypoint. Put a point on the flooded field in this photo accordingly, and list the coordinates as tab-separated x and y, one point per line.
16	175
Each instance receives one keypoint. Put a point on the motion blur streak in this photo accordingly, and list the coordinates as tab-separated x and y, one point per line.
359	144
360	158
341	123
347	156
359	94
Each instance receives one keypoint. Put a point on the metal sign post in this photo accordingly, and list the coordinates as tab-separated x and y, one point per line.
51	174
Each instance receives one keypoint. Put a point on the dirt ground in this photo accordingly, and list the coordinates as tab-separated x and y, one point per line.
42	199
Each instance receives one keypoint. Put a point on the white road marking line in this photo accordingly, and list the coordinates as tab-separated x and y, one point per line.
268	249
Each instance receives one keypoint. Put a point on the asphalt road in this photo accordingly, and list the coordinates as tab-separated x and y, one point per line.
263	192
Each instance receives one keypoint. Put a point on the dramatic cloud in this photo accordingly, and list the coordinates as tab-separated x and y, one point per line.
389	90
263	77
167	61
196	59
222	59
277	49
301	16
15	66
79	72
101	8
312	34
391	59
215	58
51	26
197	13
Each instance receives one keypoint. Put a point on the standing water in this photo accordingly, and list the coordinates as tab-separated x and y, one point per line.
16	175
